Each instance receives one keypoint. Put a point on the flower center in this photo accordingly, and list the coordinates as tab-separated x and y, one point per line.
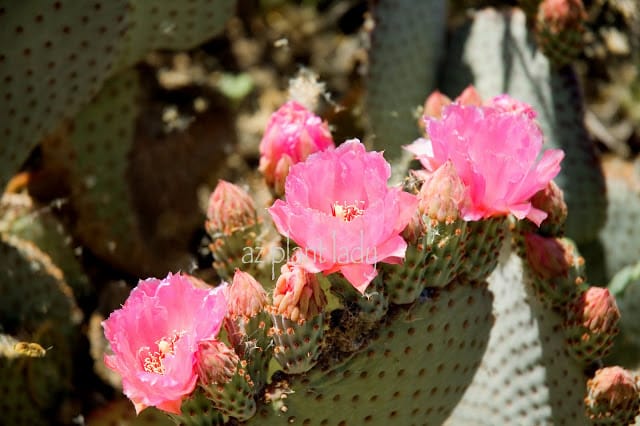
347	212
153	362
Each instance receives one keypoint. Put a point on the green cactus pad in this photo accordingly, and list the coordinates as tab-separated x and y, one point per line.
33	289
403	283
198	411
231	252
413	371
497	55
171	25
406	48
446	246
620	236
435	261
297	344
234	398
526	377
38	306
54	56
250	340
482	244
20	217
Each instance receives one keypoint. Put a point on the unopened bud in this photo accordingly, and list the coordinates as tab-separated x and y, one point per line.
469	96
434	104
443	194
613	397
596	310
559	16
246	297
548	257
551	201
230	208
298	295
216	363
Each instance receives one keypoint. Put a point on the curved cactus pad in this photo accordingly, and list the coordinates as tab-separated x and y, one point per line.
414	370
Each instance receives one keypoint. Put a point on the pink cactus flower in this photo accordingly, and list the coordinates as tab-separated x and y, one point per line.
292	134
155	335
341	213
494	150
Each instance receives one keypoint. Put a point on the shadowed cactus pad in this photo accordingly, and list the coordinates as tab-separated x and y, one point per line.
406	48
54	57
95	154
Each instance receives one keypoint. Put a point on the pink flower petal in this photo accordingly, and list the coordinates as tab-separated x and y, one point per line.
359	275
339	210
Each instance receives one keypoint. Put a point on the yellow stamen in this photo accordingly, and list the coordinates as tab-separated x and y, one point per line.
347	212
153	362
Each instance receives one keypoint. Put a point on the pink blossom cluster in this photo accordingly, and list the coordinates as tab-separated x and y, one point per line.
344	217
494	149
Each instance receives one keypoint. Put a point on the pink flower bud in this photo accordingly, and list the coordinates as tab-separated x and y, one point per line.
551	201
548	257
613	393
297	295
469	96
246	296
562	15
295	132
434	104
597	310
230	208
216	363
443	194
